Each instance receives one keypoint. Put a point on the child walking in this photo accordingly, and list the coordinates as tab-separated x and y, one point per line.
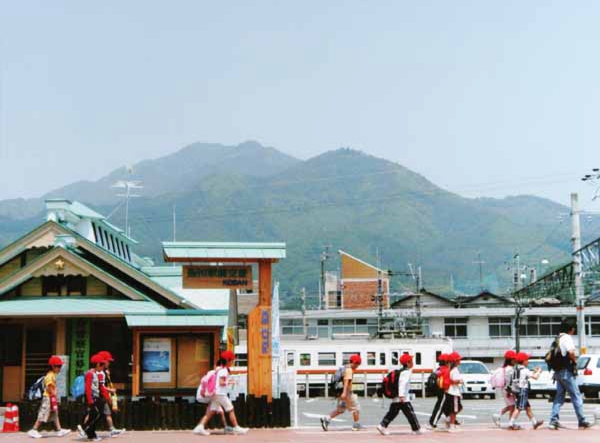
452	403
347	400
95	398
111	404
509	398
402	401
442	373
49	408
521	385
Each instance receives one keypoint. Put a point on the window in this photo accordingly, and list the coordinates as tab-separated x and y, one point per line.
326	359
371	358
500	326
395	360
323	328
594	326
99	238
76	285
292	326
346	356
382	358
127	250
289	358
534	326
11	350
304	359
106	245
52	285
345	326
112	242
455	327
418	358
119	247
241	360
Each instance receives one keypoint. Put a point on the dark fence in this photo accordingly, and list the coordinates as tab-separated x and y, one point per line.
155	413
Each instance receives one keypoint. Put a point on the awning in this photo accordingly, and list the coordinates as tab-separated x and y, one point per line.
75	306
176	320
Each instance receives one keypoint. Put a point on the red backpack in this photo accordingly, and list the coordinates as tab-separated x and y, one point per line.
443	378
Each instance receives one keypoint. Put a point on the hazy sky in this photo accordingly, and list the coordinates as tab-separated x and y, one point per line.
482	97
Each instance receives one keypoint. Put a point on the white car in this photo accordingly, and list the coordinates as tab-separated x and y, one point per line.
544	384
588	375
476	377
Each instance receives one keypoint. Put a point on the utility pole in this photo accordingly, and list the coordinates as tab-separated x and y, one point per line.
304	321
516	274
579	291
480	262
323	295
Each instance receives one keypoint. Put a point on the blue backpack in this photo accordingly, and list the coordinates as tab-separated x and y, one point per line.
78	387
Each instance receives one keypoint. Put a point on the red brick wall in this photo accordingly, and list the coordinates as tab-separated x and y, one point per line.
357	294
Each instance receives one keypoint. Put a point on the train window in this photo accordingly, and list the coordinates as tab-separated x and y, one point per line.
304	359
290	358
437	355
371	358
346	357
326	359
418	358
382	358
394	358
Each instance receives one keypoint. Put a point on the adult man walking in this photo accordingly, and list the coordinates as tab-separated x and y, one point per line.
564	362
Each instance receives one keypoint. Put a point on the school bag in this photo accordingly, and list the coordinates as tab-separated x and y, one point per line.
36	390
554	358
78	387
207	387
389	386
443	380
514	387
498	378
431	385
336	384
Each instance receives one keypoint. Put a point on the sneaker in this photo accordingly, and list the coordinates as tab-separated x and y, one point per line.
115	432
453	429
431	427
538	423
458	422
96	438
34	434
358	427
514	427
585	425
239	430
63	432
324	423
554	425
382	430
418	432
81	432
496	419
199	430
228	430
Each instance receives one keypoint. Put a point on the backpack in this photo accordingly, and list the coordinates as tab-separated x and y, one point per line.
335	384
78	387
498	378
36	390
207	386
389	386
431	385
554	358
514	387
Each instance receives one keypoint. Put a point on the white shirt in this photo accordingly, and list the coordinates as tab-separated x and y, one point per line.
404	384
524	374
222	373
566	344
454	389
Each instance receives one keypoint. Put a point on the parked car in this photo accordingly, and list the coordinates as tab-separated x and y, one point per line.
544	384
588	375
476	378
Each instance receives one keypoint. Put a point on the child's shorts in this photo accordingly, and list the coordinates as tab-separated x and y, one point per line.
523	399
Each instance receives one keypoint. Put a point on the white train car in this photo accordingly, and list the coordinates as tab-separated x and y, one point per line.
314	361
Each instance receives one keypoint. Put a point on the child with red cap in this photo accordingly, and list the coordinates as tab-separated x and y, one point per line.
452	403
346	399
220	399
95	398
111	404
506	371
442	373
520	387
49	408
402	401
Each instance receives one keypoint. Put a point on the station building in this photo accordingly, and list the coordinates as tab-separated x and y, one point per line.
74	285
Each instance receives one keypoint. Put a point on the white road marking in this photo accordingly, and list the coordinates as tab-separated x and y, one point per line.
311	415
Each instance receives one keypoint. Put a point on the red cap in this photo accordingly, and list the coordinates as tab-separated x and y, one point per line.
454	357
510	355
405	359
522	356
227	355
106	356
443	358
355	359
55	360
97	358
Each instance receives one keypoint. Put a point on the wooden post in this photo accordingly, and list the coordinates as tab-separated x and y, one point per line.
60	343
259	337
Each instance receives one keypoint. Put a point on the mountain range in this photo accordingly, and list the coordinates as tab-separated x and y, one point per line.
370	207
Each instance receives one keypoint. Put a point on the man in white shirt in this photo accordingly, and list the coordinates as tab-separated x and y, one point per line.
565	377
402	401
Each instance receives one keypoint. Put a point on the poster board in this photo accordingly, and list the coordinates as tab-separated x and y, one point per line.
62	378
193	360
158	362
217	277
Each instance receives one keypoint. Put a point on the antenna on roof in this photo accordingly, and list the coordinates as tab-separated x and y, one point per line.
128	185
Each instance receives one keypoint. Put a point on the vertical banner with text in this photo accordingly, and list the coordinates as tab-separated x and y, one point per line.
80	347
